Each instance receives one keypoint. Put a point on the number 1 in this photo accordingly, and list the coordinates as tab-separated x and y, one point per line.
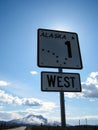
69	49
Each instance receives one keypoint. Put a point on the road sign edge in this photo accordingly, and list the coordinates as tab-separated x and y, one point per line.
60	90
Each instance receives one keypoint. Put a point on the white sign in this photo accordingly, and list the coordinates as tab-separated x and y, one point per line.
66	82
58	49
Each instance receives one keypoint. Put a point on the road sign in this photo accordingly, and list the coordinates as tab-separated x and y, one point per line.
65	82
58	49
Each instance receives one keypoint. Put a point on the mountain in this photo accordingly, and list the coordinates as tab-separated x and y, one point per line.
30	120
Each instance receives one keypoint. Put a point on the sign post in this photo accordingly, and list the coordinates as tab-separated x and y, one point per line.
63	115
59	49
62	106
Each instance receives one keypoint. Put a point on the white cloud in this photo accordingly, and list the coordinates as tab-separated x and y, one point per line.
1	107
41	107
47	112
89	90
6	116
3	83
33	72
89	87
8	98
48	106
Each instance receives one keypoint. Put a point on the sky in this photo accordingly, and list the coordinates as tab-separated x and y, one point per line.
20	77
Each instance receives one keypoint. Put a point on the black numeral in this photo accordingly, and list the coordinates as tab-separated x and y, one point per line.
69	49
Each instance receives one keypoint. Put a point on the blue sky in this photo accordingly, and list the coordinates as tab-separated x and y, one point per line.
20	85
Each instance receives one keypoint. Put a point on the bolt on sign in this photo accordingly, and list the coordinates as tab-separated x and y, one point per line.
66	82
58	49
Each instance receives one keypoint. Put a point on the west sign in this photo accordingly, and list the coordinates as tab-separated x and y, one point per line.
66	82
58	49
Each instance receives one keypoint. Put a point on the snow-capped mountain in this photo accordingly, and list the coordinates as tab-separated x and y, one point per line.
30	120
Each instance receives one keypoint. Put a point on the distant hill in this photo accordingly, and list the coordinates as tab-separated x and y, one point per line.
30	120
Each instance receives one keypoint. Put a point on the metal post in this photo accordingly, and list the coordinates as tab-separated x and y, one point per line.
62	105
